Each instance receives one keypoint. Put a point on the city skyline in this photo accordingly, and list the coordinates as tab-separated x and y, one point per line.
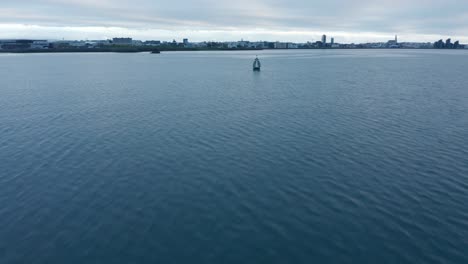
155	46
293	37
268	20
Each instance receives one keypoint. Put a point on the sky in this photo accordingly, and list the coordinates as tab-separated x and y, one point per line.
221	20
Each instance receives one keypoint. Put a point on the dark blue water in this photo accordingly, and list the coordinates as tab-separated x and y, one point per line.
323	157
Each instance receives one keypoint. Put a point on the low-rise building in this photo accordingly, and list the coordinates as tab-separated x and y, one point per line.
40	44
69	44
152	43
281	45
122	41
23	44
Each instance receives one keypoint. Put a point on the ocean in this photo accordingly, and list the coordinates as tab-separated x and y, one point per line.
325	156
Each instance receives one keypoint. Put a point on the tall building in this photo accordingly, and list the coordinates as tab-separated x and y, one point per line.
448	42
185	41
396	38
324	39
332	41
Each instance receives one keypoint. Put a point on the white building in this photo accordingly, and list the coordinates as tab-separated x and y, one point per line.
281	45
40	44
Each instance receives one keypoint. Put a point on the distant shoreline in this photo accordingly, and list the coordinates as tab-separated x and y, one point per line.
149	49
117	50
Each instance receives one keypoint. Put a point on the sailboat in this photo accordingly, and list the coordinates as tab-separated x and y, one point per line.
256	64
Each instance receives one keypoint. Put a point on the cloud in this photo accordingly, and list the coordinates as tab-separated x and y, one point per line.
267	19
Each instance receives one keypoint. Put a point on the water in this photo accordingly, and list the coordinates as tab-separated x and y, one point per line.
343	156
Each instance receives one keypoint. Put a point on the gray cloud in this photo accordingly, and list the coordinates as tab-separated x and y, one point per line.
352	19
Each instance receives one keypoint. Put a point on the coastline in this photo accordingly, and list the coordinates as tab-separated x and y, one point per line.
117	50
166	49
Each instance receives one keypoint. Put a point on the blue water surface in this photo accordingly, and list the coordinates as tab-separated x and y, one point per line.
325	156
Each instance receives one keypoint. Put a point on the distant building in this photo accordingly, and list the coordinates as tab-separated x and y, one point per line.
242	44
448	43
202	44
76	43
324	39
415	45
332	41
232	45
393	43
153	43
292	45
98	43
40	44
185	41
281	45
122	41
439	44
23	44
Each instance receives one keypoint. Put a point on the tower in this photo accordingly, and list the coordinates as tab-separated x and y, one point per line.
396	38
324	39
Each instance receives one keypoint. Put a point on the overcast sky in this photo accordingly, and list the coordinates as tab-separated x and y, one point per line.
283	20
